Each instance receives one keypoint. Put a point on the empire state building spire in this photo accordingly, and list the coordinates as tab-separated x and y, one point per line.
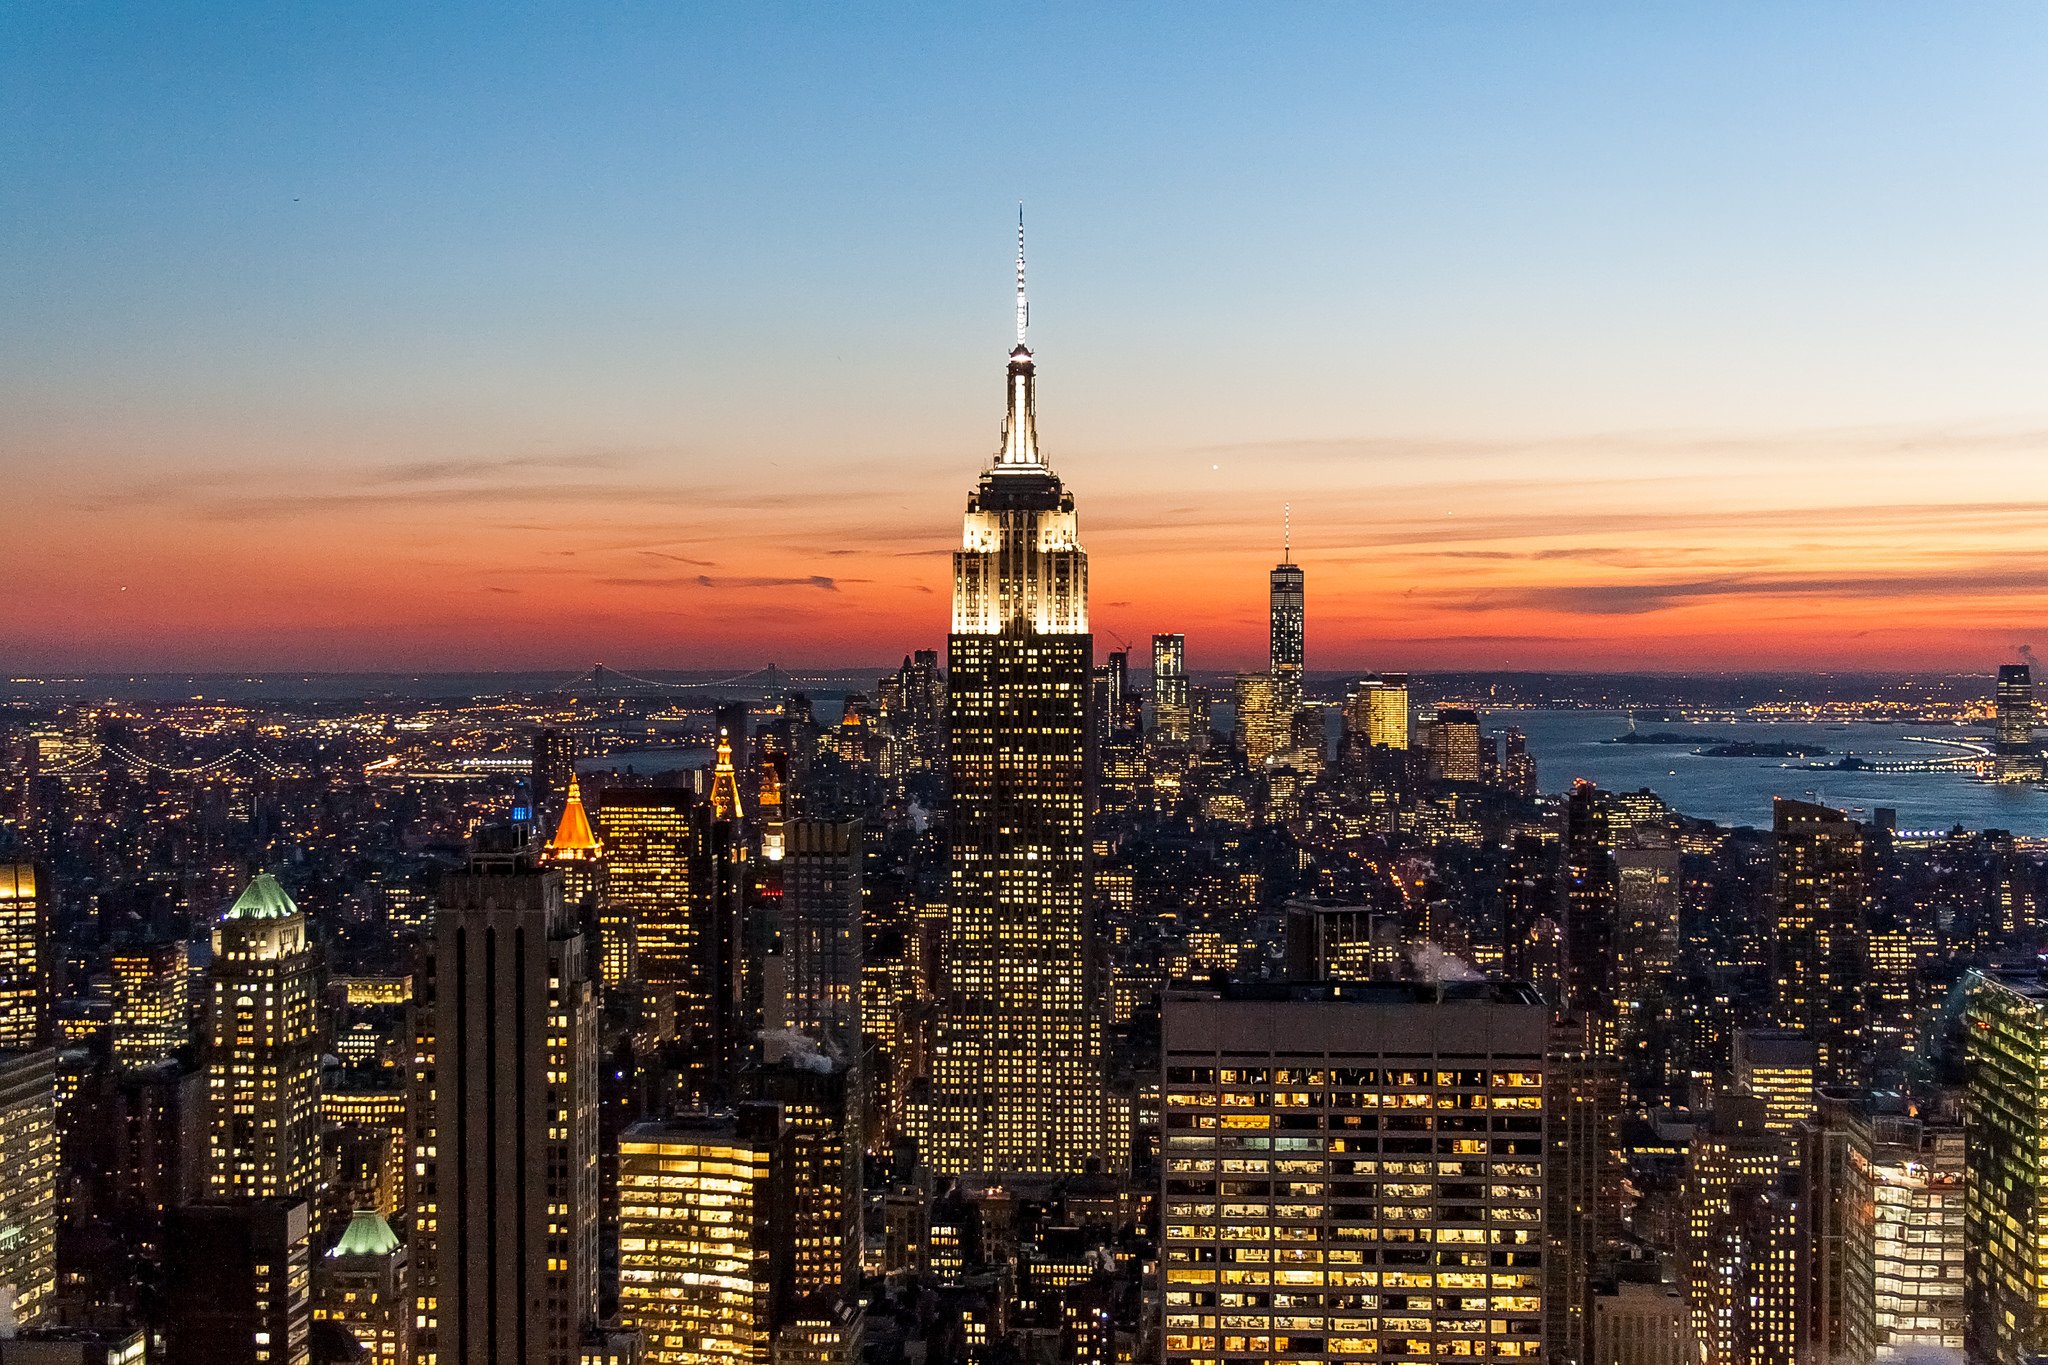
1020	423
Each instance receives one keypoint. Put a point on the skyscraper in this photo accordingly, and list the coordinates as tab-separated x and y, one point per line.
699	1223
152	1003
1287	626
362	1286
1170	714
24	944
2005	1166
238	1283
821	932
2018	758
28	1185
576	852
509	1177
1821	948
1353	1172
1017	1081
263	1054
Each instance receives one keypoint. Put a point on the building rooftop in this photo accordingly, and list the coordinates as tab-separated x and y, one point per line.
263	898
1490	991
367	1234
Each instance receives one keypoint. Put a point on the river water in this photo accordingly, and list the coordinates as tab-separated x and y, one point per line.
1738	791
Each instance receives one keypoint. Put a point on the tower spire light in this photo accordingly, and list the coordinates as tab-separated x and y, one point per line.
1023	306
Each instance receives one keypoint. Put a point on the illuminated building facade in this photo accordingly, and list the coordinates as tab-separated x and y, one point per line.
1353	1172
1904	1252
28	1183
2017	756
1376	712
1171	714
1454	746
697	1231
676	874
263	1053
1287	623
1734	1156
24	945
508	1174
1017	1078
1647	886
152	1003
1263	730
1821	947
1779	1068
2005	1167
821	1177
362	1286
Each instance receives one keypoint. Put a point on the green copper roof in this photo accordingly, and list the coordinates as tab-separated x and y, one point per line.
264	899
367	1234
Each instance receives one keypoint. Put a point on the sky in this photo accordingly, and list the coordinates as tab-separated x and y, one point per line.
382	336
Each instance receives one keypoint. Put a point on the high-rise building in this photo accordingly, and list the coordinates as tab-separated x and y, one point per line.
508	1174
362	1285
576	852
1647	888
1821	945
1581	1207
1778	1067
1353	1172
238	1283
2005	1166
913	705
1454	746
676	875
1263	728
2017	756
1287	631
152	1003
772	819
820	1101
1734	1156
263	1051
1017	1075
1327	942
1377	711
821	932
28	1185
1904	1241
24	950
699	1218
1170	713
1592	967
726	803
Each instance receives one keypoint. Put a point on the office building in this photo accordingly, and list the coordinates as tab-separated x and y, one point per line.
1780	1068
2005	1166
676	875
1592	966
1376	712
1353	1172
263	1052
2017	756
1264	729
1902	1197
554	766
152	1003
822	1179
28	1186
238	1283
1647	889
700	1218
1581	1185
363	1286
1820	950
825	1329
1342	942
24	949
1733	1156
1172	716
507	1177
1017	1076
1454	746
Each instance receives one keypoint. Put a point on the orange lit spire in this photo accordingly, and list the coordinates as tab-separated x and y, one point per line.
725	785
574	839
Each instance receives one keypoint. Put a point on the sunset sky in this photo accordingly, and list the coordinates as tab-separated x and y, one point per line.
367	335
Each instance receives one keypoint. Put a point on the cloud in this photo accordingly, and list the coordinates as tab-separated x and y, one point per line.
1633	599
818	581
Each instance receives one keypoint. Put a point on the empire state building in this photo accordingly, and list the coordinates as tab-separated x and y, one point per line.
1017	1080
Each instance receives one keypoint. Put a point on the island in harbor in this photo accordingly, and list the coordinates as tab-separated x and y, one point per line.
1743	748
1662	737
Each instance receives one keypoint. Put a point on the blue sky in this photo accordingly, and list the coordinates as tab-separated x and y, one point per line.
273	247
